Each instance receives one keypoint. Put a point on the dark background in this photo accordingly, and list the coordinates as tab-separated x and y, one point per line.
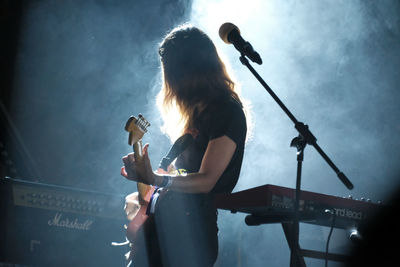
73	72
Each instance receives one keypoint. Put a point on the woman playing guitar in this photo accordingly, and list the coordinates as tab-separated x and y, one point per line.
181	229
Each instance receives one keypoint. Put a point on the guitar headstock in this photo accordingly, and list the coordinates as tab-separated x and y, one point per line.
136	127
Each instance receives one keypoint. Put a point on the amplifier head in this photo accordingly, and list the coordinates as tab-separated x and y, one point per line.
47	225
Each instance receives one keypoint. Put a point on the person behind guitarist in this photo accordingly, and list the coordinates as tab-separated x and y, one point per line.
182	230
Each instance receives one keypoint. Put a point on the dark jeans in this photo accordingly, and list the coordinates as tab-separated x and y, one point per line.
182	232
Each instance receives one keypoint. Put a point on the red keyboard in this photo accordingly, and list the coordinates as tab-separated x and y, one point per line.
273	204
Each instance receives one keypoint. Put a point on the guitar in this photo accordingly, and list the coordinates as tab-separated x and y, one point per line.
137	127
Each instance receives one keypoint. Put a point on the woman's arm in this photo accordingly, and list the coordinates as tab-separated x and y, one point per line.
218	154
216	158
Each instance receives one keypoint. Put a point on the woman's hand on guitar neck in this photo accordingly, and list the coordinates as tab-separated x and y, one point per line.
139	171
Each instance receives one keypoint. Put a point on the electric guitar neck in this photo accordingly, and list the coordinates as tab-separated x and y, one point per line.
137	127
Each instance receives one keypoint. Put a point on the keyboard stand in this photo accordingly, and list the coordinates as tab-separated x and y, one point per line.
285	220
287	229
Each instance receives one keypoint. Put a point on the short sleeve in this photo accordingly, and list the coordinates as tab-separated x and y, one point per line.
227	119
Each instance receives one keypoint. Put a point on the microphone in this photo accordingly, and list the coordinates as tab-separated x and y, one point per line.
230	34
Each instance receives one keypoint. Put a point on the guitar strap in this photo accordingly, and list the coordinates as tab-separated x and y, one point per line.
177	148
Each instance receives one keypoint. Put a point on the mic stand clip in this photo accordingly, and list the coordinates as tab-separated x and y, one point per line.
299	143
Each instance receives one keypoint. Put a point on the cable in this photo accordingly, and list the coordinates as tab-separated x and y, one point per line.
333	215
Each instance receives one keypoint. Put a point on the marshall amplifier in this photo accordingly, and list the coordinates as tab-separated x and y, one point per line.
48	225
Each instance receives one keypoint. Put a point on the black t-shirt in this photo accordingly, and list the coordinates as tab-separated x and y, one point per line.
186	224
219	119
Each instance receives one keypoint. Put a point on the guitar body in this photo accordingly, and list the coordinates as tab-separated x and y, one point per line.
138	221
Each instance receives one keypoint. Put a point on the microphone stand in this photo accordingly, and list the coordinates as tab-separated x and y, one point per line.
305	137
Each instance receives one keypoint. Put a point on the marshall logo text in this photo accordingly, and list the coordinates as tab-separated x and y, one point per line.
59	221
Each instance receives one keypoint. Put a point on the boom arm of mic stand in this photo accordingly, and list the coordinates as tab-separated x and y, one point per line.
300	127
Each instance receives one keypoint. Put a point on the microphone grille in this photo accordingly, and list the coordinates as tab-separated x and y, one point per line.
225	30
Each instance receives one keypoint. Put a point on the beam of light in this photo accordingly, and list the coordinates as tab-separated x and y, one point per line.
320	60
332	64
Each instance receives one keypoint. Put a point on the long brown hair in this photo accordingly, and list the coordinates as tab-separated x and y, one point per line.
193	76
